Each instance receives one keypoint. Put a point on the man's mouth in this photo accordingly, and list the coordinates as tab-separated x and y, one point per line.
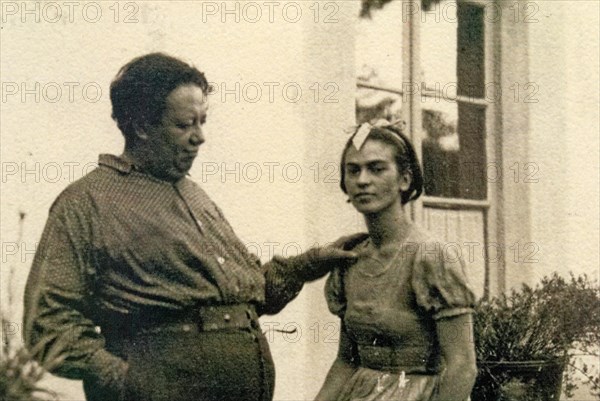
190	155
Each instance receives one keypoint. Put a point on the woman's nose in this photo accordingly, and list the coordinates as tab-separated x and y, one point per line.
363	177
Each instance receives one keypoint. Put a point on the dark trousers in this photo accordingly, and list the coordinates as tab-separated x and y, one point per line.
228	365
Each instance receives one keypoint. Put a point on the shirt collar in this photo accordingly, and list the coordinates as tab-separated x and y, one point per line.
119	164
116	162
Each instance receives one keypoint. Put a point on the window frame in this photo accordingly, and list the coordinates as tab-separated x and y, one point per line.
494	274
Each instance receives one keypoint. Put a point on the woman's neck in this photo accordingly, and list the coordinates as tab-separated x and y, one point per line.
389	226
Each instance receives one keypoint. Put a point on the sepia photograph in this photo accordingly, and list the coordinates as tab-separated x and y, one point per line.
309	200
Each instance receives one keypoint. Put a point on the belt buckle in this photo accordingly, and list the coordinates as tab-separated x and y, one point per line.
214	318
187	328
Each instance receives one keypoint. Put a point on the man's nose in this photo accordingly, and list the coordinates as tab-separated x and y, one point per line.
197	138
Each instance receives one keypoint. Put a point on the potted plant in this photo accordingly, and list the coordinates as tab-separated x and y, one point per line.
532	342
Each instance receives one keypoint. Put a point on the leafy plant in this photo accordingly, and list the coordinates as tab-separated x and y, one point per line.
20	372
517	390
368	5
559	319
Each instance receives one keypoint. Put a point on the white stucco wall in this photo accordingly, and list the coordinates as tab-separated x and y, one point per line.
564	137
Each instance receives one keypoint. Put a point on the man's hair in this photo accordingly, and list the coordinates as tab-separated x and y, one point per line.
139	91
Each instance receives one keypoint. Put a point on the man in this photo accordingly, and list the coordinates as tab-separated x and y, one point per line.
139	286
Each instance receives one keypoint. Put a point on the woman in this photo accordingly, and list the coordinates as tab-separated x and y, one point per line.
405	307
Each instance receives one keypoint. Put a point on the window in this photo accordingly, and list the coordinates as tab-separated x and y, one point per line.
431	68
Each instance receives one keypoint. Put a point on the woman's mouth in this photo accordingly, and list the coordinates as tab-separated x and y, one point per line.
363	196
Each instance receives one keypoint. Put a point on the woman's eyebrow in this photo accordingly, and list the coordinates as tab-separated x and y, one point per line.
367	162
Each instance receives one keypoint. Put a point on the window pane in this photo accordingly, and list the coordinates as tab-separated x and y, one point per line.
454	150
373	104
472	167
452	49
452	62
379	46
464	229
441	148
439	27
470	71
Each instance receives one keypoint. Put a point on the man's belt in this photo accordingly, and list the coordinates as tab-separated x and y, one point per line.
203	319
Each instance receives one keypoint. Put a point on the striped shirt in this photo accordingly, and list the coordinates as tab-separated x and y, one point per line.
119	243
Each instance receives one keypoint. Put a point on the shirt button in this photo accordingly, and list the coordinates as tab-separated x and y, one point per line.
227	317
221	260
186	328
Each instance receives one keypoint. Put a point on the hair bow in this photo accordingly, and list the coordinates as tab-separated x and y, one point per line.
362	131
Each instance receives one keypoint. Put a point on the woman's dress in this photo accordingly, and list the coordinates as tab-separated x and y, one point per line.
389	315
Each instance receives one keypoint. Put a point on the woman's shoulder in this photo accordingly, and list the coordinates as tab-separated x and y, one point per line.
351	241
439	278
421	241
424	236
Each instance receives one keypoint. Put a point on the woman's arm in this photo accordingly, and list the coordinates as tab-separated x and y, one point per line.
458	350
341	370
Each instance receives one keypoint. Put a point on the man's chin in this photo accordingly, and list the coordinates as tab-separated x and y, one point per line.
180	173
173	174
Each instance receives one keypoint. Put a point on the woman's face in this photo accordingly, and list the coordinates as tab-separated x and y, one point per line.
173	143
372	179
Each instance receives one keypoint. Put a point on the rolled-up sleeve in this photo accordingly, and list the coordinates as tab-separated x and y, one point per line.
58	326
282	284
285	277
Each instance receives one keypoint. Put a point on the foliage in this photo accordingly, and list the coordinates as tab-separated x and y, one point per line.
368	5
516	390
557	319
20	373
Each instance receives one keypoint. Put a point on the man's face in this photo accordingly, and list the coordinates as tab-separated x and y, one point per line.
173	143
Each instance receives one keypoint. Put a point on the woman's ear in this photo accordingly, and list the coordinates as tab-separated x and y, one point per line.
405	180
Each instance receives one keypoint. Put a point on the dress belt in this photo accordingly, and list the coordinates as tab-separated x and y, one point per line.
394	359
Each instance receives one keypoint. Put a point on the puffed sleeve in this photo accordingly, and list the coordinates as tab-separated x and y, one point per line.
334	292
439	280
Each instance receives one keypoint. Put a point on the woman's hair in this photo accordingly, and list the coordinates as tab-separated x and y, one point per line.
139	91
405	156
